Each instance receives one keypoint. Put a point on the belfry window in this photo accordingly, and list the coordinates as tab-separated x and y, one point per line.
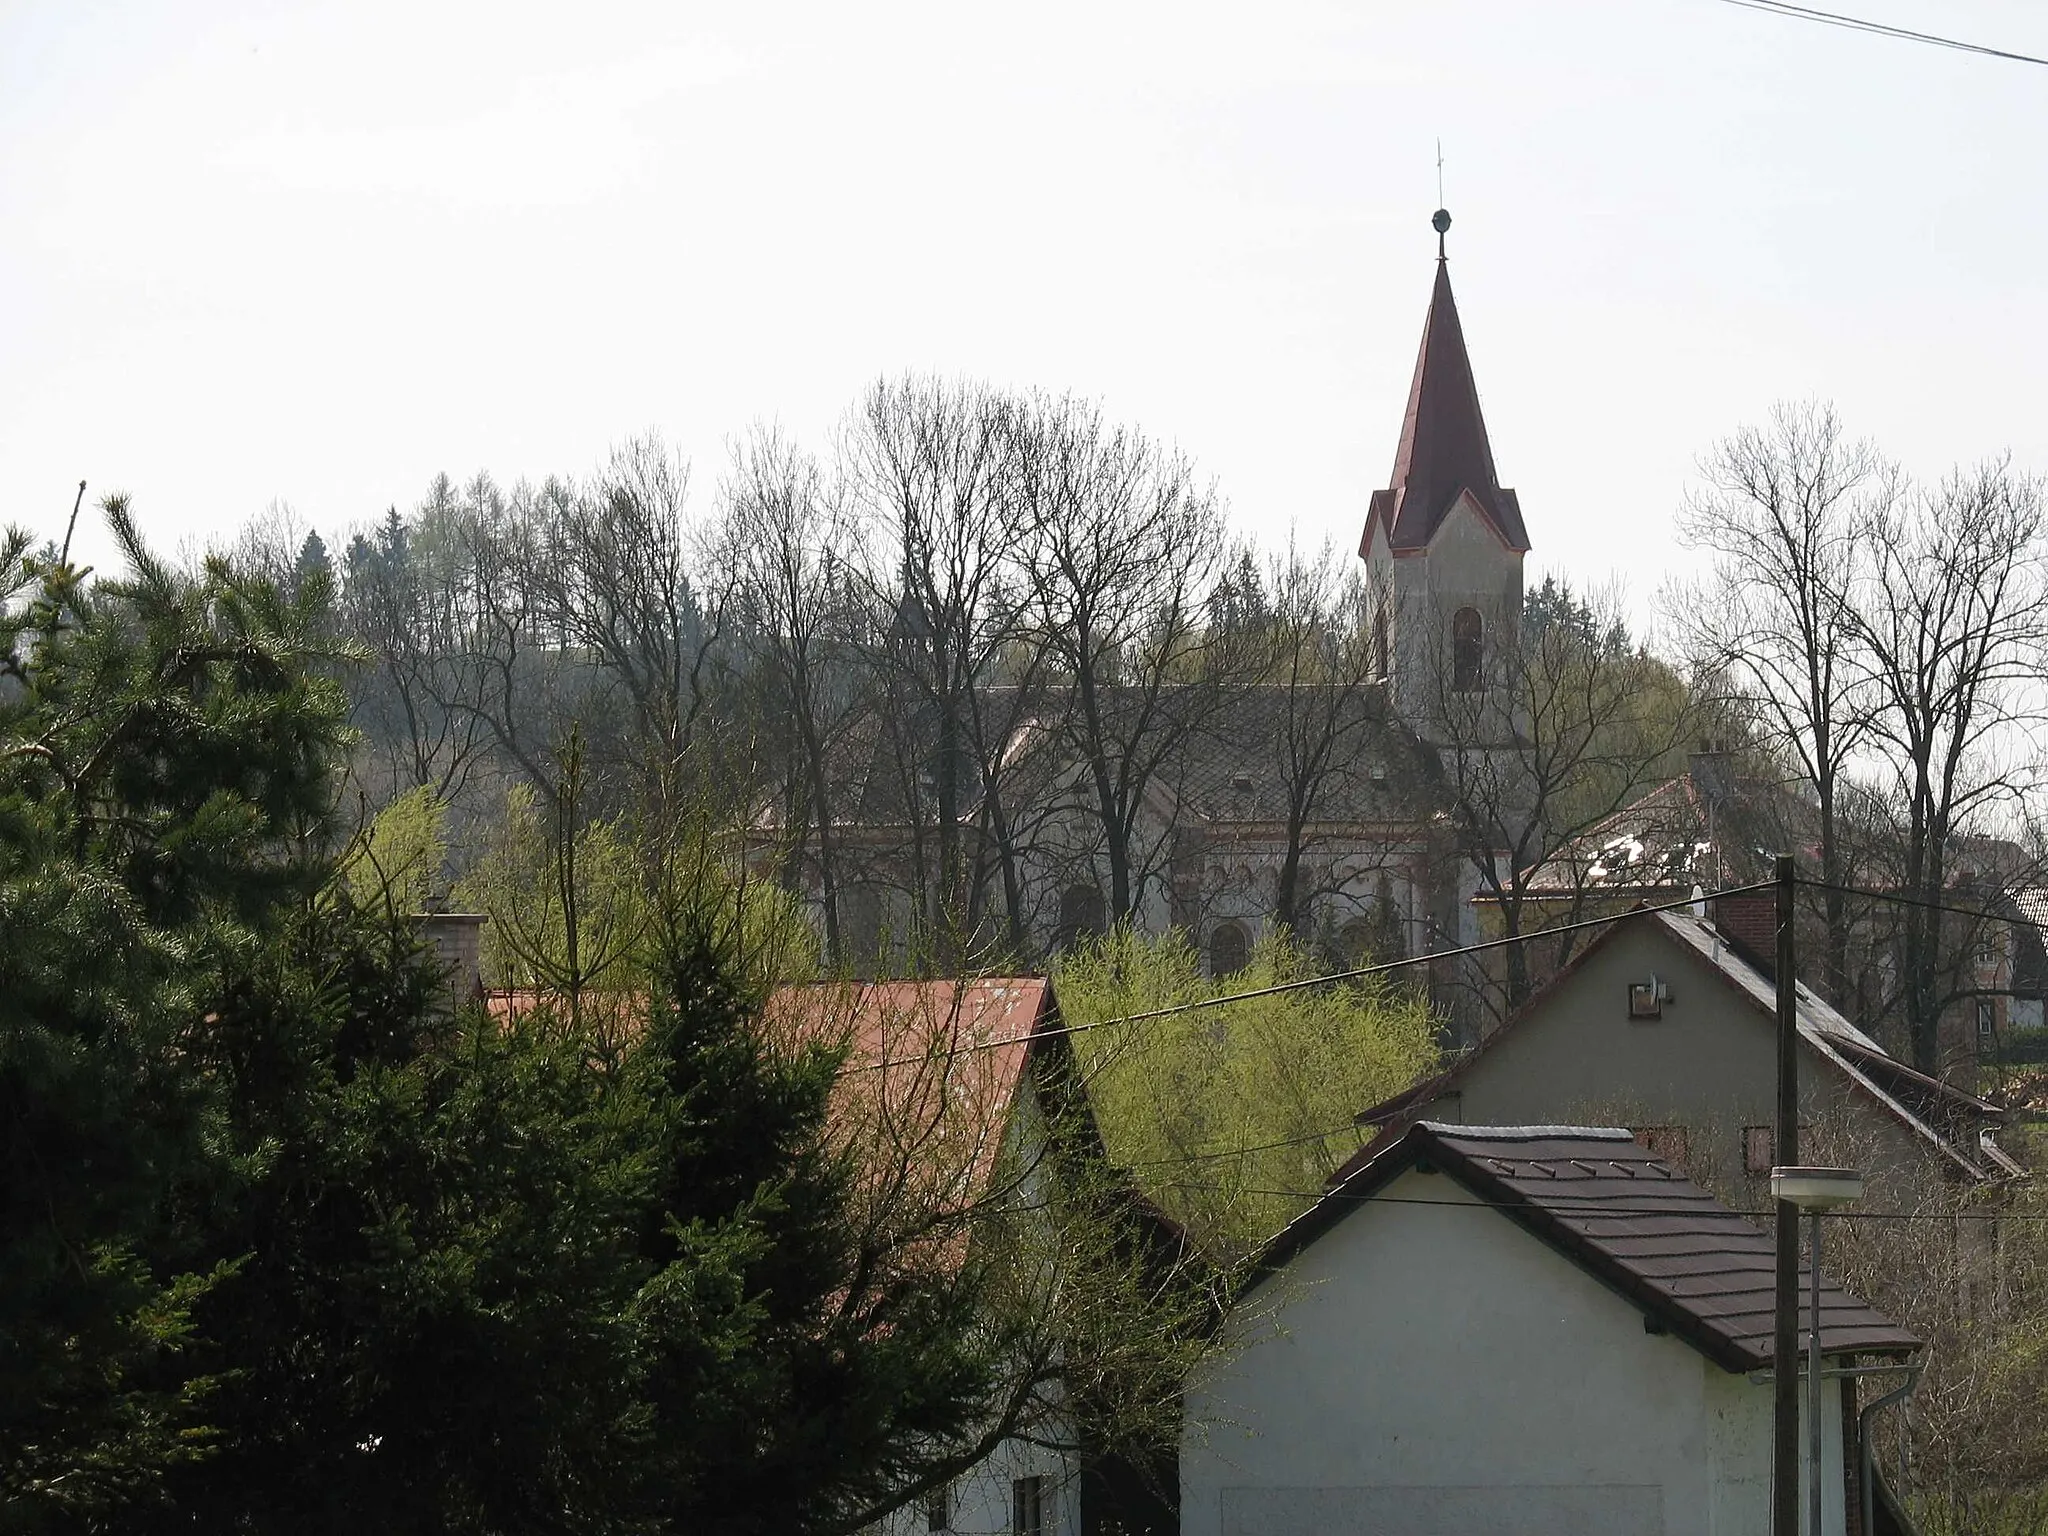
1468	651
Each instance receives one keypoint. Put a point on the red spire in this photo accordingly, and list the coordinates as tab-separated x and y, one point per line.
1444	451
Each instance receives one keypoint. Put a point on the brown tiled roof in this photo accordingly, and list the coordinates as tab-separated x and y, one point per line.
1444	450
934	1066
1674	835
976	1032
1600	1199
1236	769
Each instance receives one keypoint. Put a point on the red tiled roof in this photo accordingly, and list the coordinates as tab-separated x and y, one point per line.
1648	1234
1444	450
934	1068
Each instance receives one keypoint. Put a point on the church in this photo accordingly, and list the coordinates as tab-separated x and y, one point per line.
1316	808
1443	546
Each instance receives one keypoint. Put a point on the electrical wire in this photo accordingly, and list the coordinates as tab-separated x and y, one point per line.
1899	899
1359	973
1386	967
1560	1205
1306	1139
1880	29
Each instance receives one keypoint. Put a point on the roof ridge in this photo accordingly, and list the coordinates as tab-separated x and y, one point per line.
1618	1247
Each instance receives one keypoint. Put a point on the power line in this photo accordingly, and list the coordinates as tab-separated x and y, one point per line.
1898	899
1306	1139
1881	29
1560	1205
1359	973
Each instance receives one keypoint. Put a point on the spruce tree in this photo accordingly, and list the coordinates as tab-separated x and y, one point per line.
165	744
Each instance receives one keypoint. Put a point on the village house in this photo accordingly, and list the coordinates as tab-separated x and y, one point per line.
1545	1330
1714	827
1666	1022
953	1092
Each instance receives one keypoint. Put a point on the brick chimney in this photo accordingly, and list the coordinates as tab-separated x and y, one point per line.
456	939
1712	769
1749	922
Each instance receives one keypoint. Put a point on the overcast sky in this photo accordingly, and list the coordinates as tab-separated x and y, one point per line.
319	252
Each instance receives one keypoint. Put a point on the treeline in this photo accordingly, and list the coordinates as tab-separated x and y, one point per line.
923	630
953	666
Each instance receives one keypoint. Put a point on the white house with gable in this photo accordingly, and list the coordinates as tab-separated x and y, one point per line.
1536	1330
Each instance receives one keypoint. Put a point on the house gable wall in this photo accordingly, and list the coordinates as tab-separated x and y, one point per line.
1708	1066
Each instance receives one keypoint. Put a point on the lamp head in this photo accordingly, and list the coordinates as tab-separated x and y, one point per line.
1816	1189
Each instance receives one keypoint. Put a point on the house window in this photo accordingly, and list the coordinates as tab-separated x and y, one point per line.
1468	650
1027	1506
1229	949
1987	1018
1081	915
1646	999
1666	1143
1759	1149
938	1509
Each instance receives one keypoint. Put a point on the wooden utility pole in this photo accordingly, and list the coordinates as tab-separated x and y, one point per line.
1785	1153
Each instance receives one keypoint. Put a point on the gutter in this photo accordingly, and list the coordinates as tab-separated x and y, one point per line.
1864	1473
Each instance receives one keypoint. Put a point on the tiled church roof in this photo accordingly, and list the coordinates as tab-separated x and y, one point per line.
1444	449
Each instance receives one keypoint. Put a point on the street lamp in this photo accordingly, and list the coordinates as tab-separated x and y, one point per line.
1814	1191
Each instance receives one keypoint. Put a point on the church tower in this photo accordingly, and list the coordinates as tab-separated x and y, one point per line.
1443	544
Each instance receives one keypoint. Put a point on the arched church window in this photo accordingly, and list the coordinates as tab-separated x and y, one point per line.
1229	949
1081	916
1382	646
1468	650
1354	943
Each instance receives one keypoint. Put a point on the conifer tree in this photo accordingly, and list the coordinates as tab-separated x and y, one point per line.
165	747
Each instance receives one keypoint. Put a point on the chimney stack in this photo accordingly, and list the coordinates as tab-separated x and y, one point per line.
456	939
1749	922
1713	772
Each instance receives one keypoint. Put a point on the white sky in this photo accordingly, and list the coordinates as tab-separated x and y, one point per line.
319	252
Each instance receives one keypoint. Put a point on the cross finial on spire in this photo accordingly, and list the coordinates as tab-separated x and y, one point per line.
1440	221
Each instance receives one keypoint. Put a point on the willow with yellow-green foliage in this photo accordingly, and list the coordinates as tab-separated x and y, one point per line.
1230	1117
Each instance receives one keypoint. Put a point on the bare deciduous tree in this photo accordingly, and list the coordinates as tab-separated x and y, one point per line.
408	598
1123	545
612	573
1889	641
1322	661
1949	629
1567	724
797	613
929	460
1778	512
